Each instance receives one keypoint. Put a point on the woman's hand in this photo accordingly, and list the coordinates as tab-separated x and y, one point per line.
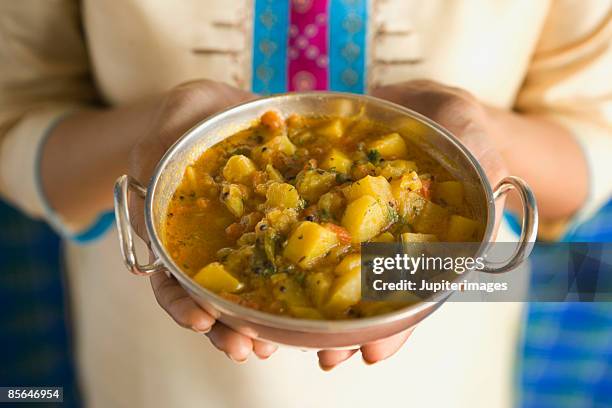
530	146
460	113
186	312
371	353
176	113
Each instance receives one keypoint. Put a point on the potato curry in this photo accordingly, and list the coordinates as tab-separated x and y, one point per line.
272	217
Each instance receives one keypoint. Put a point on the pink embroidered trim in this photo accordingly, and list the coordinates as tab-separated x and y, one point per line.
308	45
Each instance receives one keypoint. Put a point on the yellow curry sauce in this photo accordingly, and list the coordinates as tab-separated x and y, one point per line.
272	217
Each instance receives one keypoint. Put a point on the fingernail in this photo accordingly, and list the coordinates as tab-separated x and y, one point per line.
234	359
201	330
326	367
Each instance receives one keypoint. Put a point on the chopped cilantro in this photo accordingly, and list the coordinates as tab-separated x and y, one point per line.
374	156
393	215
324	214
342	178
300	277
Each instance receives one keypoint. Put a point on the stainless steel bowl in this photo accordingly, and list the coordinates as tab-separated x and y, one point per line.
431	137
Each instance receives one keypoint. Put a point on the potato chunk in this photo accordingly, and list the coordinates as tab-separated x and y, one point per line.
216	278
233	198
317	287
280	219
449	192
432	219
384	237
308	243
401	187
332	129
345	291
280	144
238	169
337	161
391	146
190	175
416	237
364	218
312	184
377	187
331	205
408	182
348	264
461	228
391	169
282	195
273	174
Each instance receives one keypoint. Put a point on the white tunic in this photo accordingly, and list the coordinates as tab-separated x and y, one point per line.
540	56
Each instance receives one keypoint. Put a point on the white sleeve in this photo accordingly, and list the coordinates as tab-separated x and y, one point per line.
569	81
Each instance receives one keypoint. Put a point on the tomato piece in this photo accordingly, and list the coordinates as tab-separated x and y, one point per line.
425	191
310	164
272	120
342	233
240	300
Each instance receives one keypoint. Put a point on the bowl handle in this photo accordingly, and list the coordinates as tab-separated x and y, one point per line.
529	224
123	185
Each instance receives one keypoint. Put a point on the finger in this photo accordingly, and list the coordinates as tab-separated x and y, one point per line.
177	303
136	208
382	349
237	346
328	359
263	350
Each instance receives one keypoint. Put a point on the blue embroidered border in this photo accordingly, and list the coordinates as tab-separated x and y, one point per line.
347	59
270	39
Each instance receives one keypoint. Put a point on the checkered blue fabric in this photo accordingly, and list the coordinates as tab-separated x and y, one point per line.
567	347
34	336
